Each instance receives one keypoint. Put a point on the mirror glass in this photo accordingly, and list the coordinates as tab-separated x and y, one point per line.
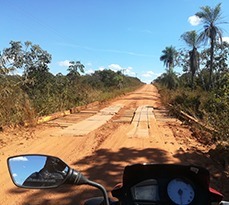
37	171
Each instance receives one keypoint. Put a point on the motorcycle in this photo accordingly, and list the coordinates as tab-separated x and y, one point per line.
142	184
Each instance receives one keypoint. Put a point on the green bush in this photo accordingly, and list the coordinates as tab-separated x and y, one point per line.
210	107
22	100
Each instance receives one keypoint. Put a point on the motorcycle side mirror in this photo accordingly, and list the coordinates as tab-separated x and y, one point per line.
37	171
43	171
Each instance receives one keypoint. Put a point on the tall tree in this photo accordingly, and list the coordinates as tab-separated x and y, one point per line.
192	40
75	68
36	60
211	18
168	57
11	58
220	63
169	79
31	58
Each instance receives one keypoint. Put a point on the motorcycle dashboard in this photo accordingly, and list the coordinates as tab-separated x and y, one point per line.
145	191
166	184
178	190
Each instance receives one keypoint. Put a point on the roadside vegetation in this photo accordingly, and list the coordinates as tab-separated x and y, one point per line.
37	92
202	91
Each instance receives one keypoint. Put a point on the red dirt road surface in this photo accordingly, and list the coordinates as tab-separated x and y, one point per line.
100	141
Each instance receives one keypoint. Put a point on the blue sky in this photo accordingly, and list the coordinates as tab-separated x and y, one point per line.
23	166
127	35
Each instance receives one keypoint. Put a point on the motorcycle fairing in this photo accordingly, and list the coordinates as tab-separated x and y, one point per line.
163	174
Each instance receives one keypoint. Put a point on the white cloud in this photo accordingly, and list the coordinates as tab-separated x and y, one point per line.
101	68
194	20
149	74
89	64
147	31
115	67
126	71
226	39
146	75
15	175
89	71
64	63
19	159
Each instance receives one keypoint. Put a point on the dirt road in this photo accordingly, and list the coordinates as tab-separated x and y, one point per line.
100	141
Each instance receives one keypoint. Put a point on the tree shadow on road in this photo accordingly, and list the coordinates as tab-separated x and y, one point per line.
106	167
109	165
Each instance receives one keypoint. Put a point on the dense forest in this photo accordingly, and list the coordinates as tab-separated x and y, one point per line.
37	92
203	89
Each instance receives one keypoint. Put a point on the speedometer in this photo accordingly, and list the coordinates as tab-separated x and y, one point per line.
180	191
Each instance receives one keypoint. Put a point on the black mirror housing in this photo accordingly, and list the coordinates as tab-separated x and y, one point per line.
43	172
37	171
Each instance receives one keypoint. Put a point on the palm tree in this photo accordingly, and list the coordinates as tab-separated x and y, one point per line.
211	18
192	40
168	57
